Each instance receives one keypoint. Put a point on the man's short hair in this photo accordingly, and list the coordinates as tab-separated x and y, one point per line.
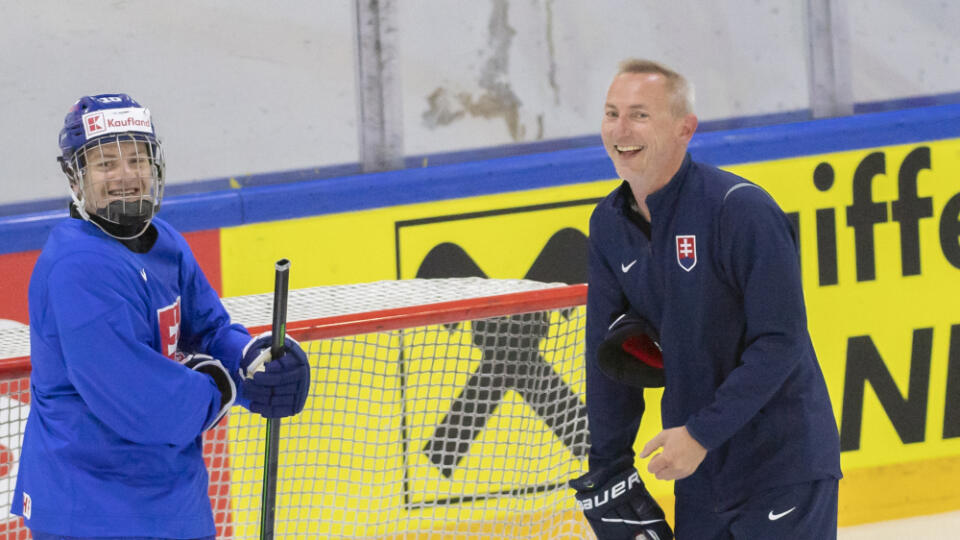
681	91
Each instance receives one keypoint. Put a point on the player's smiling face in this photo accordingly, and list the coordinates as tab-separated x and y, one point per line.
643	136
116	171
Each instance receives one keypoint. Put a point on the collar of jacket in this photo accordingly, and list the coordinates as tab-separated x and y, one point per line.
659	201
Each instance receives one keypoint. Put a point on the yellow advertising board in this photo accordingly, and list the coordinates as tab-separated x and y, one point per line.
880	247
879	233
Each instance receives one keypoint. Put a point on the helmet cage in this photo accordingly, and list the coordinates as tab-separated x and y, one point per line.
119	180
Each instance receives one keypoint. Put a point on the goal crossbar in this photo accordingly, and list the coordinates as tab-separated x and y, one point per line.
438	313
18	365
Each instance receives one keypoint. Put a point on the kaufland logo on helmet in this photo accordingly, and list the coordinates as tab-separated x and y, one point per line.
116	121
93	124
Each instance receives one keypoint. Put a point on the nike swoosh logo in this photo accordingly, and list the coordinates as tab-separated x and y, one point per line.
626	267
774	517
631	522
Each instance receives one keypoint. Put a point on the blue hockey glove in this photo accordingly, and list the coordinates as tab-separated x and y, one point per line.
618	506
276	387
212	367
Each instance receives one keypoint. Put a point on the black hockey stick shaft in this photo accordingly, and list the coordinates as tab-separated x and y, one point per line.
268	503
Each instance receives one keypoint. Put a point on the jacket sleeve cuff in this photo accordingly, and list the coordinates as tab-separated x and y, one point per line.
695	431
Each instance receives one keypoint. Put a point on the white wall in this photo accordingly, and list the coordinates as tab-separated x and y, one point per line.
235	86
903	48
244	86
549	63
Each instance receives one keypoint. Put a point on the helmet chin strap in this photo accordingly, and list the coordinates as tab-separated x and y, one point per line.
127	231
79	206
120	212
130	227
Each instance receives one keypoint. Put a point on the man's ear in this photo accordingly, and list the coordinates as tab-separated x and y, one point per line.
688	126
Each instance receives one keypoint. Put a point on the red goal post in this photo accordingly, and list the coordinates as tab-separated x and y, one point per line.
448	408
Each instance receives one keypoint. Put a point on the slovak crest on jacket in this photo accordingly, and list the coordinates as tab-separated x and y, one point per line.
687	251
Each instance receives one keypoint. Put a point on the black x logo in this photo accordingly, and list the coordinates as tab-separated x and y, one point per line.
511	357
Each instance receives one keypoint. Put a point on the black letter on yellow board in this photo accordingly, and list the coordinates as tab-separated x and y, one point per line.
864	213
909	209
823	177
950	231
951	413
864	364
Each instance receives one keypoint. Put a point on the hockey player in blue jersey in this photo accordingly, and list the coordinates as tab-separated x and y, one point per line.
710	263
133	355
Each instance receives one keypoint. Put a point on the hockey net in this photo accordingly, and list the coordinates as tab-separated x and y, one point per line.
441	408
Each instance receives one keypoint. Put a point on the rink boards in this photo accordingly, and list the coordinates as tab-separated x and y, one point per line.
877	209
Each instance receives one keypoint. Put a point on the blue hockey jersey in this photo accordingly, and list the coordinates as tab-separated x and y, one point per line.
718	275
113	445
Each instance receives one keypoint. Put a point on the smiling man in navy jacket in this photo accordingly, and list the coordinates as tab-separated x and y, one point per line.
711	262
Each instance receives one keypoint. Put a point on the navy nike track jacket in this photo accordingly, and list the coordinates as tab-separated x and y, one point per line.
719	277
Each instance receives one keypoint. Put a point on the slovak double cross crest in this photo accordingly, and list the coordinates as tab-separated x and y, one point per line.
687	251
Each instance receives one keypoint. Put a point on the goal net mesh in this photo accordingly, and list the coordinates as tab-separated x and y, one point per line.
442	408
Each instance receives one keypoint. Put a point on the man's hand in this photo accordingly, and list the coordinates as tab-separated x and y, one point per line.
680	457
